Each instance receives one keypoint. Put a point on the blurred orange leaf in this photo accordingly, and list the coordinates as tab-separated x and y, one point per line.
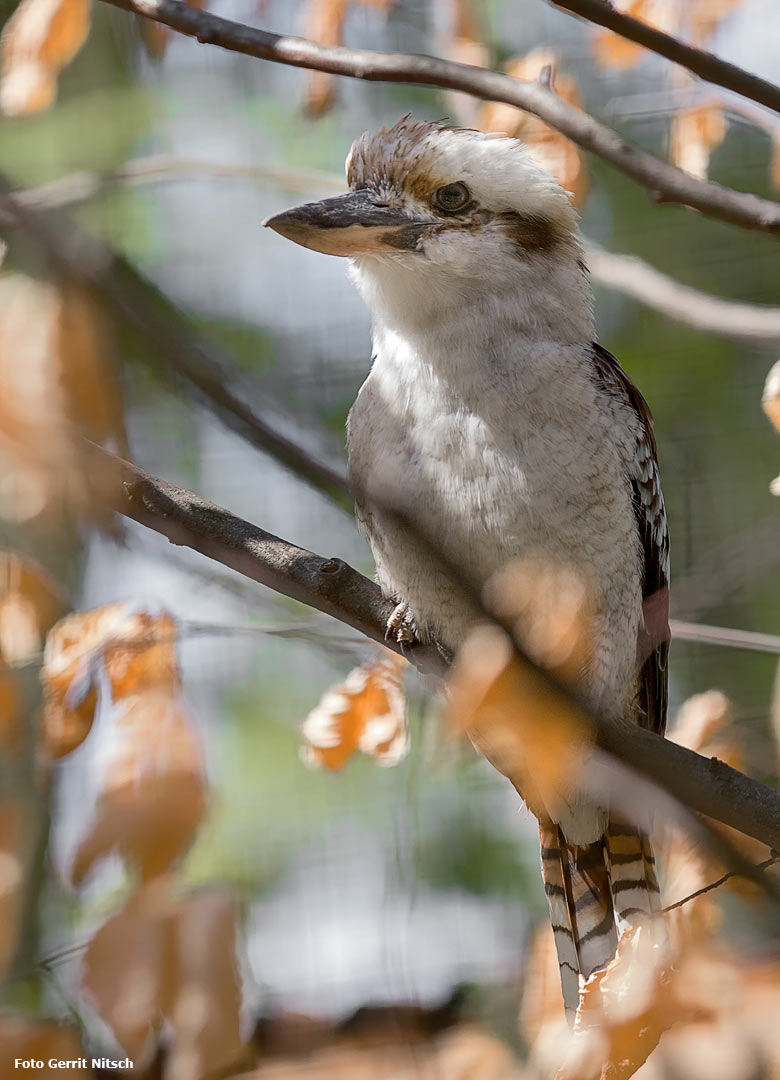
705	16
153	790
30	604
693	135
39	39
515	718
366	712
11	706
624	1010
165	957
613	52
12	844
152	795
705	723
134	647
127	967
521	725
156	36
205	1002
44	1040
553	151
57	381
323	22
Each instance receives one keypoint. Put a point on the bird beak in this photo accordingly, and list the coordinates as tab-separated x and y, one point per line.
351	224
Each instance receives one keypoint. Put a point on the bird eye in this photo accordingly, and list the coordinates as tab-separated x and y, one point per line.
451	198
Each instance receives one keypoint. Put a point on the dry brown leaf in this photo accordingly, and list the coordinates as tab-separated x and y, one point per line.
39	39
205	1003
553	151
366	712
44	1040
11	711
57	382
705	16
513	715
12	848
542	1015
462	42
624	1010
516	720
465	1052
152	794
705	723
323	22
135	647
153	790
31	602
693	135
127	967
616	53
166	957
155	36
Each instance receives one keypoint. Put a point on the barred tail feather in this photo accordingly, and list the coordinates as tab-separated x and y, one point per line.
635	890
577	885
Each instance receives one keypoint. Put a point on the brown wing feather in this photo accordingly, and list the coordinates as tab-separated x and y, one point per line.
653	646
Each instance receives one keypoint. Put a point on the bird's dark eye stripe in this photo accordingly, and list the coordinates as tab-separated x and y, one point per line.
451	198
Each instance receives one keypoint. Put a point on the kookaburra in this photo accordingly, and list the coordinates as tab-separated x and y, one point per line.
497	426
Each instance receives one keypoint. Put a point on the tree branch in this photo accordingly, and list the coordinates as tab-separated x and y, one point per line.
666	182
713	314
704	64
138	304
330	585
626	274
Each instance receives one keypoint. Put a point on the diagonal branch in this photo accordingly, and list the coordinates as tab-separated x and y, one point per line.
684	304
666	182
706	786
138	304
704	64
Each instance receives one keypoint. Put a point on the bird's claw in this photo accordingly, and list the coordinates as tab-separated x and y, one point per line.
401	626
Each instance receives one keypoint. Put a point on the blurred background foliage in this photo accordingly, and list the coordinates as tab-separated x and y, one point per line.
369	885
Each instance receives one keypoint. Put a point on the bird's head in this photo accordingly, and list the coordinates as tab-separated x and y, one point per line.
433	204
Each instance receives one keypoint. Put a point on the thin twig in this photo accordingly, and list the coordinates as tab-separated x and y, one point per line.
704	64
626	274
725	636
771	861
666	182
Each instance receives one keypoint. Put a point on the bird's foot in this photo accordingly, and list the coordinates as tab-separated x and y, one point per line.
401	626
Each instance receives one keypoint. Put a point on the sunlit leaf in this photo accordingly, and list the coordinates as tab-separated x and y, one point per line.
323	22
693	135
553	151
43	1040
624	1010
156	36
57	383
205	989
614	52
30	604
127	970
366	712
12	856
165	957
39	39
